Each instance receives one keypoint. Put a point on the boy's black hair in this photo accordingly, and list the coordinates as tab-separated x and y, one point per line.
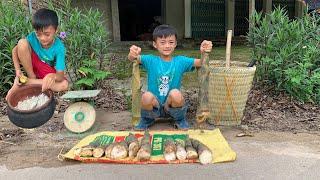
163	30
44	18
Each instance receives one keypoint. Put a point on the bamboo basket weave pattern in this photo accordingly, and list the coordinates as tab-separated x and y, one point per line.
228	91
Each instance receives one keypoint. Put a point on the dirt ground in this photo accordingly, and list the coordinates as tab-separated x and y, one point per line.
23	148
266	115
278	112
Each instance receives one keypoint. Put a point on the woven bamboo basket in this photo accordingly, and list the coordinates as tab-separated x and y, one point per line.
228	91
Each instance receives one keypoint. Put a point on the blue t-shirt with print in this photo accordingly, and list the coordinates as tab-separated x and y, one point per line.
164	76
54	55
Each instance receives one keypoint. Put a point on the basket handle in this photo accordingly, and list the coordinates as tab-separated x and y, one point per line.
228	48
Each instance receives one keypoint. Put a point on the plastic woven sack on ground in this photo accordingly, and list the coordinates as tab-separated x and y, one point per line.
212	138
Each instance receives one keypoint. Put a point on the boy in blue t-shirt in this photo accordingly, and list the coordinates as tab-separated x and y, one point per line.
41	54
164	74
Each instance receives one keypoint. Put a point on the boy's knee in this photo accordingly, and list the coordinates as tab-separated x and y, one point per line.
176	97
23	44
148	99
23	47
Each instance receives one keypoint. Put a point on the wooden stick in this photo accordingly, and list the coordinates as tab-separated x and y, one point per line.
228	50
136	93
223	107
229	96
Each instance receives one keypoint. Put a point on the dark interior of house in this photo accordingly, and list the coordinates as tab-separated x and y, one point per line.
138	18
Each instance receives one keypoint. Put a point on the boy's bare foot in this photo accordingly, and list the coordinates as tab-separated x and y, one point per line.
16	85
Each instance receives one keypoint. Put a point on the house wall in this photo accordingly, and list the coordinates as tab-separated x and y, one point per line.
174	15
173	12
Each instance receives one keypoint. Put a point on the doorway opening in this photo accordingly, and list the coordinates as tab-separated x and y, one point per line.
138	18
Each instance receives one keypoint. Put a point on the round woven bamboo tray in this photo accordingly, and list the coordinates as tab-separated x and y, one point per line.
228	91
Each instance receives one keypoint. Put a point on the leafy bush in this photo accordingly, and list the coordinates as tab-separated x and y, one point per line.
86	41
288	53
14	25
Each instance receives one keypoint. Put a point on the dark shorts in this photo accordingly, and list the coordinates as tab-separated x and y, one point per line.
157	112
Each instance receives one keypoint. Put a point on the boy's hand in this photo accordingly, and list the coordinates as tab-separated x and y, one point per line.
18	75
206	46
134	52
48	81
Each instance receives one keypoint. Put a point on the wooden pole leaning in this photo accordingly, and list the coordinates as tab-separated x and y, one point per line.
228	50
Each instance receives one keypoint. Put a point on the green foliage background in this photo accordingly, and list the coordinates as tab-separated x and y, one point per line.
288	53
15	23
86	42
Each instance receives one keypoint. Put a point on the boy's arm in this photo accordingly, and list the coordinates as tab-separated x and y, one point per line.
134	53
15	60
206	46
55	77
59	76
52	78
197	63
60	64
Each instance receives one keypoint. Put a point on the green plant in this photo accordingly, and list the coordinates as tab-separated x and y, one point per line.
90	75
85	35
287	53
14	25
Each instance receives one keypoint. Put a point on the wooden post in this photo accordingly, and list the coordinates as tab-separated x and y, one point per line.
115	21
228	48
296	8
30	6
267	6
300	7
187	19
230	15
252	4
252	8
